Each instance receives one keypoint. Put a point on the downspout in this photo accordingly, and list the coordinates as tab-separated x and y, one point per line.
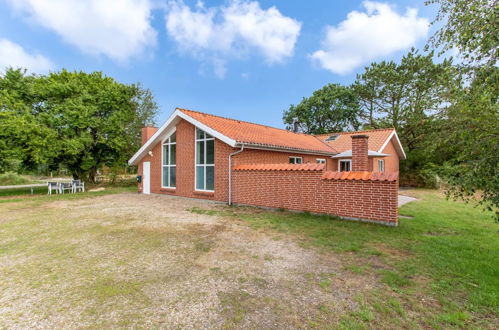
230	172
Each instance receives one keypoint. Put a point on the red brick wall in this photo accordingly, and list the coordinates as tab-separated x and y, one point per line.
360	161
147	132
253	156
307	191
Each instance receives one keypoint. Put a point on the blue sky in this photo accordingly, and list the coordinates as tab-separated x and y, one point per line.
242	59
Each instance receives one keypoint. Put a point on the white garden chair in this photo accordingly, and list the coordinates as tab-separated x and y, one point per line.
53	186
65	186
78	185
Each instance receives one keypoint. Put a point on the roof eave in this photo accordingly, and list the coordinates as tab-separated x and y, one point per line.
261	146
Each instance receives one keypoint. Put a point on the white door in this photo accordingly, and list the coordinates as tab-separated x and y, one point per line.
146	178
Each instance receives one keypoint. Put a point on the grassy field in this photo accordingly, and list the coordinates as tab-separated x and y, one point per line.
440	269
117	259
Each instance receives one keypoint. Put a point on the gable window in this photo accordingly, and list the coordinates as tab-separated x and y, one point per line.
381	165
320	161
169	167
345	165
205	161
295	160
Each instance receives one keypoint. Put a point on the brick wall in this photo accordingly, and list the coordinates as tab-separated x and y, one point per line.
371	200
360	159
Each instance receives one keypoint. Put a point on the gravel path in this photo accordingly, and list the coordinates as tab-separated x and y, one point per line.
130	260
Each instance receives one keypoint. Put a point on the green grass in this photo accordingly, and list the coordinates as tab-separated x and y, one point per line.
40	194
11	178
447	253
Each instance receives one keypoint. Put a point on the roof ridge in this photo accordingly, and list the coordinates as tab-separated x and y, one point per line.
355	132
243	121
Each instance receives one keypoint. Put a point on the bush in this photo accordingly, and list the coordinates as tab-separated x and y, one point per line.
11	178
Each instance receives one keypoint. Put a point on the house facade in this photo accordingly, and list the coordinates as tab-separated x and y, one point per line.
195	155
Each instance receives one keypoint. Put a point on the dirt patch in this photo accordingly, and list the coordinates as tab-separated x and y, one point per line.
132	260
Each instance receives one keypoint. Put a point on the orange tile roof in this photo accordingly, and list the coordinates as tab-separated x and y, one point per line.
261	135
377	138
362	176
280	167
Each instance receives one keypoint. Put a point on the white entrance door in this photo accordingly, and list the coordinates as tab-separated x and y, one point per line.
146	178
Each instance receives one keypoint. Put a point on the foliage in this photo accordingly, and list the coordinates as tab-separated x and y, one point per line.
11	178
467	140
333	108
405	95
470	26
77	120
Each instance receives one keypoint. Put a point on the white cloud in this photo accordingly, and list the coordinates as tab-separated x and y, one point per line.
365	36
241	27
13	55
118	29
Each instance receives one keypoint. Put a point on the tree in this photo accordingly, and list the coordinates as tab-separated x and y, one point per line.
23	141
405	95
470	26
79	120
467	133
332	108
467	137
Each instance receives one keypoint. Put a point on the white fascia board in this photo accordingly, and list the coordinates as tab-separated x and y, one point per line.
207	129
394	133
370	153
176	114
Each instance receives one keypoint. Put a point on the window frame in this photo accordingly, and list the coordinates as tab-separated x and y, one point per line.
381	161
205	165
320	160
167	142
349	161
295	158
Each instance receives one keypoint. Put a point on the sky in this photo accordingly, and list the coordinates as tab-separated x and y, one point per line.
241	59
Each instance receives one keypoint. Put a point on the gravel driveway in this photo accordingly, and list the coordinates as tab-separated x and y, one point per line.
130	260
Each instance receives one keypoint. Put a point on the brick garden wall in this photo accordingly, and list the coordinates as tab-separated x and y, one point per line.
371	200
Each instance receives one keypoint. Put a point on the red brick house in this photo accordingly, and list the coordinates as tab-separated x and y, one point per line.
191	153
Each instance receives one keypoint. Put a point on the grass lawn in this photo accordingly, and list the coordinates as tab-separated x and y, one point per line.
440	269
118	259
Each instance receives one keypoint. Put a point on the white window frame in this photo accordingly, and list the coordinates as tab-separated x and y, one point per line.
320	161
382	163
344	161
296	158
168	143
196	140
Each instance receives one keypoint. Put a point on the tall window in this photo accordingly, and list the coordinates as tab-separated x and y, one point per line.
205	161
381	165
295	160
169	174
345	165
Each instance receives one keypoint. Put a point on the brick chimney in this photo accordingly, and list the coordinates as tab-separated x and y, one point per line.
359	153
147	132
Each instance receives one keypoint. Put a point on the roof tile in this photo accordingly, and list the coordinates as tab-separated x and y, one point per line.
261	135
361	176
343	143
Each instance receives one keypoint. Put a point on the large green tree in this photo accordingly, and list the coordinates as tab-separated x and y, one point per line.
333	108
79	120
405	95
468	134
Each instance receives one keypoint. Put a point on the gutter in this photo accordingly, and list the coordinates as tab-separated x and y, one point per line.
230	171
